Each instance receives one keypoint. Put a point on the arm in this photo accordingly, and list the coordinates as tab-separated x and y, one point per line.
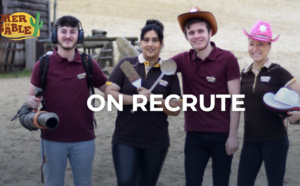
173	88
294	115
31	100
102	88
232	143
294	86
114	91
173	103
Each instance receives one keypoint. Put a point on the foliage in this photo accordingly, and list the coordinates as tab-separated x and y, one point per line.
16	74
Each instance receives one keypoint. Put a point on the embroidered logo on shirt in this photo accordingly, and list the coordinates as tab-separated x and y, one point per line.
81	76
265	79
163	83
211	79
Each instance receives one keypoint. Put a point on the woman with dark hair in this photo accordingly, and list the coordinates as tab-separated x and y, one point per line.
141	140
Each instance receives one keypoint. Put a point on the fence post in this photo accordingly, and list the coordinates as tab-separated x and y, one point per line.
30	53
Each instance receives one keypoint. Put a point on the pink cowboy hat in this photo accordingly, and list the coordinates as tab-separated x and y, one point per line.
195	12
261	31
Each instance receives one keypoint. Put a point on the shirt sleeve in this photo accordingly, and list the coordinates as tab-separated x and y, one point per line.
179	58
35	76
285	77
117	76
233	69
99	77
174	87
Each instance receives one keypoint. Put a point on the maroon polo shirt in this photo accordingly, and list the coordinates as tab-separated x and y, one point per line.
206	77
66	94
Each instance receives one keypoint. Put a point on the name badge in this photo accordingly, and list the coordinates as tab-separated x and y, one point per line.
265	79
163	83
81	76
210	79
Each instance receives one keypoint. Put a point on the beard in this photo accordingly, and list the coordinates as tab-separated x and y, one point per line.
203	48
66	47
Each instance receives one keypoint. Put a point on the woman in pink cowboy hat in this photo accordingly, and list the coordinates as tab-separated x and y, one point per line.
265	135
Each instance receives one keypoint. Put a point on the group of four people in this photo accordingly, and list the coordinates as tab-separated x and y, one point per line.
141	140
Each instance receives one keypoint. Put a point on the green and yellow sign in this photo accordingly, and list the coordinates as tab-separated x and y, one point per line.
20	25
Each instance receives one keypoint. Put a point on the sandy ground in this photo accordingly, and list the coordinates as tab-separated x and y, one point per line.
19	149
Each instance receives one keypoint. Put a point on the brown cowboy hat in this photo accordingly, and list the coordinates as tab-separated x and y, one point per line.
196	13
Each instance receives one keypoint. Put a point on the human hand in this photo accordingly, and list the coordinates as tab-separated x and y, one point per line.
145	92
34	102
293	116
232	145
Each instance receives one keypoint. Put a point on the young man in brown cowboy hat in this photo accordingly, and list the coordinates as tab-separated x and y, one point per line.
208	70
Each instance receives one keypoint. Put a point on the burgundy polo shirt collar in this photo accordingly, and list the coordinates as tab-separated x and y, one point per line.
60	59
211	57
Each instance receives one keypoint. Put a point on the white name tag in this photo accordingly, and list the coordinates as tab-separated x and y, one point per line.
210	79
163	83
81	76
265	79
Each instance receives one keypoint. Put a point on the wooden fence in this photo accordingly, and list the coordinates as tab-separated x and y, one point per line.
31	7
12	55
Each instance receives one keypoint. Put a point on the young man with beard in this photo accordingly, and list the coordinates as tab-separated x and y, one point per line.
66	93
208	70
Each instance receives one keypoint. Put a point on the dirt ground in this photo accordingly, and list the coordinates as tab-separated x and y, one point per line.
20	149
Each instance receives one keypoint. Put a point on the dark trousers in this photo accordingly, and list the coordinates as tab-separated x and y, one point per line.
199	147
138	166
273	153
